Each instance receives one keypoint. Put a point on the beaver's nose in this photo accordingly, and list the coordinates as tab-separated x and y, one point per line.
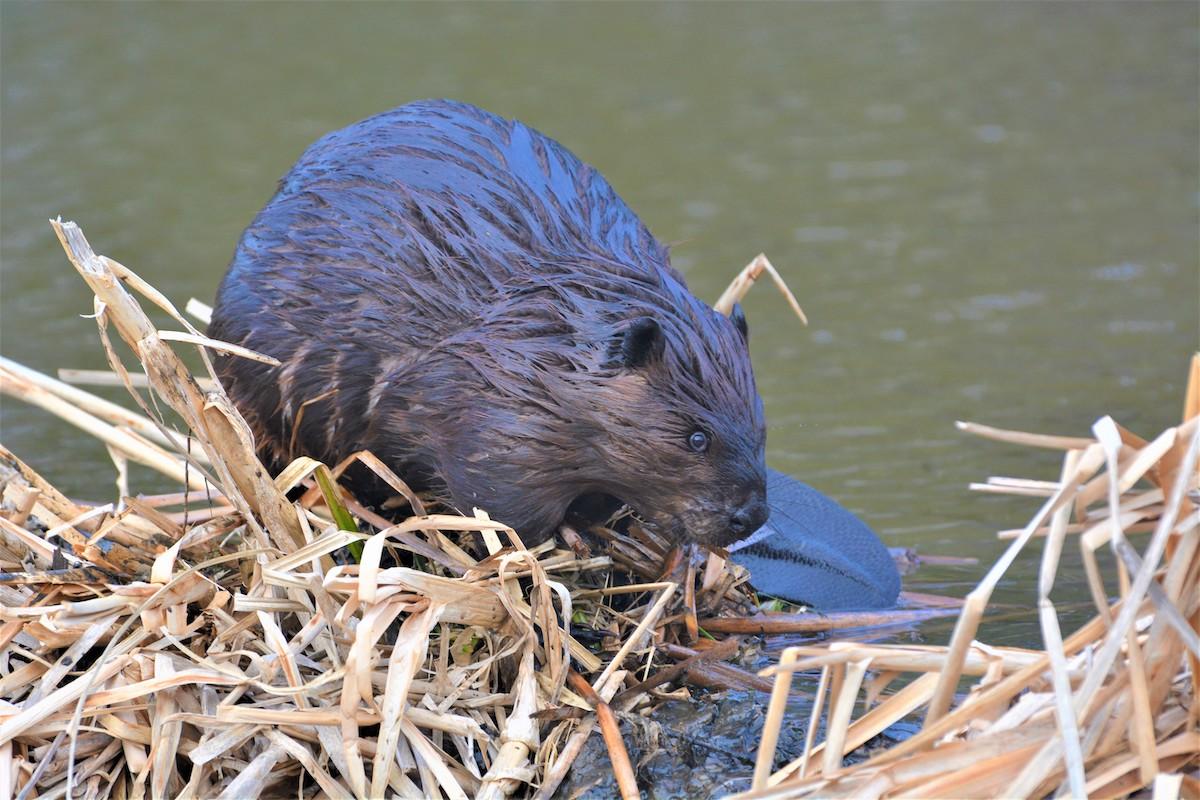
747	519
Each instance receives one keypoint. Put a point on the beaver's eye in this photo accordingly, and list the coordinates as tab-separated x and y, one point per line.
698	441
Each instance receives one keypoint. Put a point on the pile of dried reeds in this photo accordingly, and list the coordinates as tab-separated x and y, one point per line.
1108	711
257	635
244	638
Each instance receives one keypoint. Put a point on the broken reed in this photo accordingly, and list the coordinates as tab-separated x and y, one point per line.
207	643
1108	711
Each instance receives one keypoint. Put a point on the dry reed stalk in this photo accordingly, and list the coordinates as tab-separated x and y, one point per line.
109	412
774	720
124	439
1107	711
100	377
745	279
783	622
219	642
714	674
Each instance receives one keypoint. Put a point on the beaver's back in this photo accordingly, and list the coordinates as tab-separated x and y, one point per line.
443	203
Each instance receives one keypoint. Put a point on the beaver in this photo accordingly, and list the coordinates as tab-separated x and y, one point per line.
465	298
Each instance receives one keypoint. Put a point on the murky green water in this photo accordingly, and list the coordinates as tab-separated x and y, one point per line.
988	210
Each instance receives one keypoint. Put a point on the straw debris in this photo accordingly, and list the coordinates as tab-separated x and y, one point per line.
255	635
250	635
1106	712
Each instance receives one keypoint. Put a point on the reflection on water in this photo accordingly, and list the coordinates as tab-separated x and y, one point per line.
989	211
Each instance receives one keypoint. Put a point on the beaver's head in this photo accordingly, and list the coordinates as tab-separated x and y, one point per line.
686	451
649	400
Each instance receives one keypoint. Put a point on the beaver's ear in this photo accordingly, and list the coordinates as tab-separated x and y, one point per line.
640	343
738	318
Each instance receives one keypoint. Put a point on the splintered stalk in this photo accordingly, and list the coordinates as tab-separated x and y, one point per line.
745	279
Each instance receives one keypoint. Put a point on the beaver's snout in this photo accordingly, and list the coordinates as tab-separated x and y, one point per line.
713	524
748	518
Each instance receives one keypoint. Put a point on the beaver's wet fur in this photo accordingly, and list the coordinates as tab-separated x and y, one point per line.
465	298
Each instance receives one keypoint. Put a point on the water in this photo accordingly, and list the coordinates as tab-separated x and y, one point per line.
989	211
